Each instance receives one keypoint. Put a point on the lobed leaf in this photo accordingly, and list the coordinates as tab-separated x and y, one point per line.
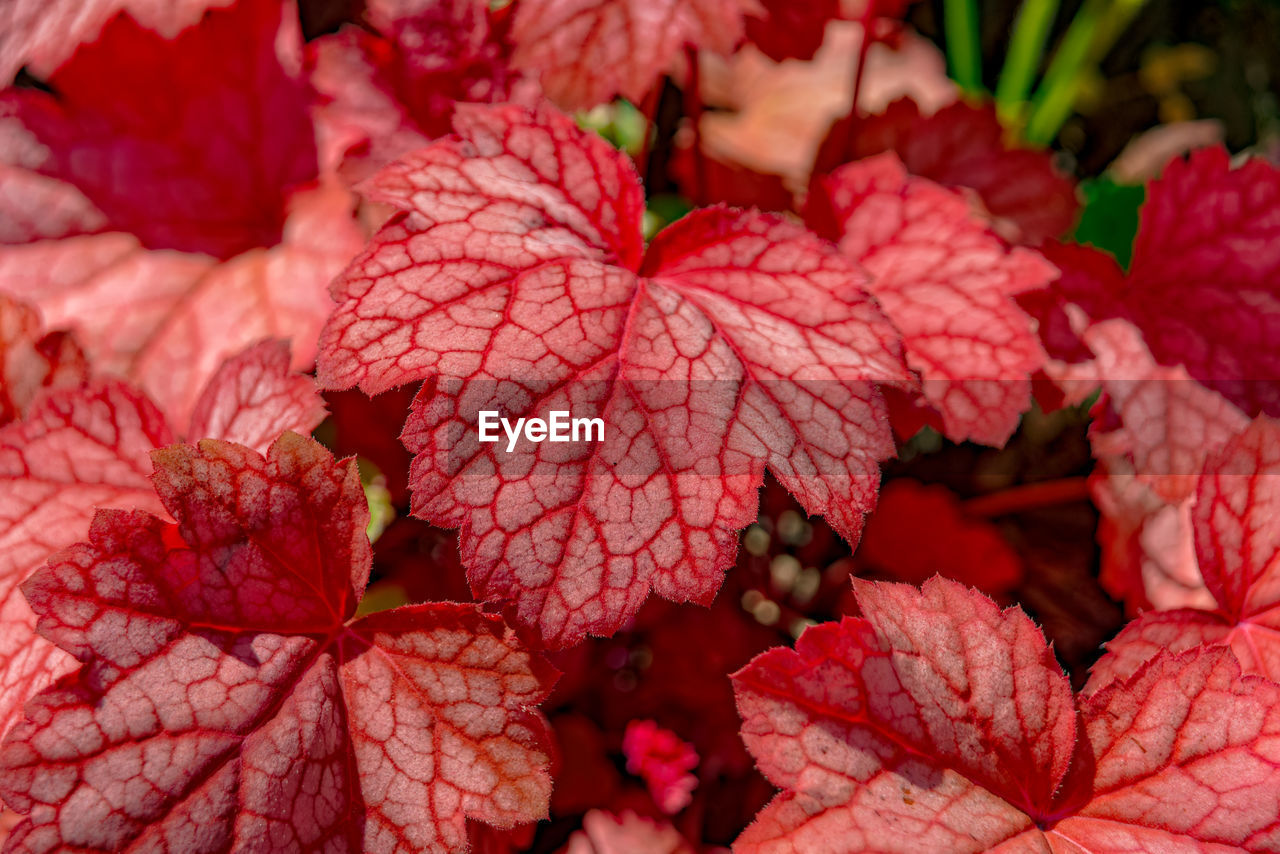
227	698
85	448
588	51
76	450
938	723
254	397
516	280
1154	428
948	283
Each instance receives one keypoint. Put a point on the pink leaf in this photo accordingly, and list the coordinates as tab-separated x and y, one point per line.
254	397
1153	430
606	833
588	52
270	714
938	723
168	320
514	282
1237	543
275	293
948	283
113	293
1237	522
76	450
34	206
1173	631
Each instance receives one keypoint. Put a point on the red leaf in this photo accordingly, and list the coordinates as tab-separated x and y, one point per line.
1236	515
1148	560
588	52
664	761
32	359
389	94
606	833
1088	277
1202	285
963	145
939	723
948	283
43	33
76	450
254	397
791	29
445	51
1177	631
514	280
966	549
705	180
85	448
267	714
486	839
159	141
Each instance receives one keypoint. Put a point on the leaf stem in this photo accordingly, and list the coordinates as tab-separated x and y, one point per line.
1029	496
864	47
693	111
964	47
649	109
1026	50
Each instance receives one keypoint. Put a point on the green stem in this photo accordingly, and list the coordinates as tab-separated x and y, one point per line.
964	48
1026	49
1089	38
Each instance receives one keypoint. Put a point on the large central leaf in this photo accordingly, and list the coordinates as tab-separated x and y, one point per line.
516	281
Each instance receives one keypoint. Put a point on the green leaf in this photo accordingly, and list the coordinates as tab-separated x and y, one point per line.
1109	220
